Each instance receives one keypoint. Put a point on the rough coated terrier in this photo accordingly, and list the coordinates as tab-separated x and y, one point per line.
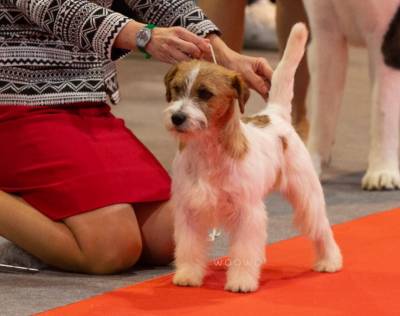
226	165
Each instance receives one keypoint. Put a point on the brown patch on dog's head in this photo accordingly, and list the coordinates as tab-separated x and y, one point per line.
212	89
167	81
217	89
213	86
257	120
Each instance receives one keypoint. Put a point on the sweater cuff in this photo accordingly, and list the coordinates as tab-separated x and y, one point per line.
203	28
104	38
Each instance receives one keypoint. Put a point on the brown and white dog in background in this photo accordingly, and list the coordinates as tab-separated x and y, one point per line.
335	24
226	165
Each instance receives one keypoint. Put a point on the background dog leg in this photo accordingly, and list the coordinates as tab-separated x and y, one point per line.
247	254
191	251
303	189
327	60
383	164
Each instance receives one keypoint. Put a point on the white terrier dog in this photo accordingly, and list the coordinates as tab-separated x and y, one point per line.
376	25
226	165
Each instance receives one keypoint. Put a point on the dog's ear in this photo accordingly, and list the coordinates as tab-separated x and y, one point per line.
167	81
242	90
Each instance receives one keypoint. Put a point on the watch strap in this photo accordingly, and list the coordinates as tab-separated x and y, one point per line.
149	26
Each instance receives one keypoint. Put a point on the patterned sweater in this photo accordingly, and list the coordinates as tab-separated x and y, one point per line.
61	51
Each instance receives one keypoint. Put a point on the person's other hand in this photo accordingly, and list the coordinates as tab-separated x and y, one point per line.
175	44
256	71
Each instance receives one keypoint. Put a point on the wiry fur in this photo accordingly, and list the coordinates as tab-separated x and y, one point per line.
227	166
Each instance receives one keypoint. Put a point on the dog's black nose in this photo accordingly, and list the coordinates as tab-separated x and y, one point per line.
178	118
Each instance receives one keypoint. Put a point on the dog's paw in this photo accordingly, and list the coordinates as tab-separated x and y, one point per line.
243	284
331	263
384	179
188	278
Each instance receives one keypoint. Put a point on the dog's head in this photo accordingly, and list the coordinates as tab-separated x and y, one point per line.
202	95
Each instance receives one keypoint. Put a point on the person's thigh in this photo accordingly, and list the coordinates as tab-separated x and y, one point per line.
109	237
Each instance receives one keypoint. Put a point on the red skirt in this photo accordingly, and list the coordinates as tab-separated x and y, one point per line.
66	160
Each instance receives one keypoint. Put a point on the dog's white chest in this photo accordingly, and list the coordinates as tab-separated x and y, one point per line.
213	191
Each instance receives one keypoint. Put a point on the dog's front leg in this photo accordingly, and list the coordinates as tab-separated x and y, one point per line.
383	166
191	244
248	236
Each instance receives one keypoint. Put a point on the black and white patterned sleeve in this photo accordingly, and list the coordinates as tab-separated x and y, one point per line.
85	24
173	13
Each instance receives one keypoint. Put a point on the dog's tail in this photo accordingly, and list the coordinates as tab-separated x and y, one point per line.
281	93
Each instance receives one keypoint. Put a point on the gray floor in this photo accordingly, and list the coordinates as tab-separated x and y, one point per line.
143	95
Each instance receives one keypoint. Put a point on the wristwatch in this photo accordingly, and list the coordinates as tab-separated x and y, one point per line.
143	37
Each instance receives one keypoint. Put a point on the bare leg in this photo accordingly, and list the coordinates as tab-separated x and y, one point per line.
228	15
383	162
102	241
289	12
327	57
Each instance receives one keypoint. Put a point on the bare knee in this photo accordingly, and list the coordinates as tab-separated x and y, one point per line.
109	239
121	256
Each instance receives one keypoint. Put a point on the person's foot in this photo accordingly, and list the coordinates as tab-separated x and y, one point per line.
11	254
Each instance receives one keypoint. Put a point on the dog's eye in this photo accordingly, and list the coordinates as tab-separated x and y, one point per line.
204	94
177	89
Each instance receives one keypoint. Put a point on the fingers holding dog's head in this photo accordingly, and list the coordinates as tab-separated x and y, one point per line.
178	79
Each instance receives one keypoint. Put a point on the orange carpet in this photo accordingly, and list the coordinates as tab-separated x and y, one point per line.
369	284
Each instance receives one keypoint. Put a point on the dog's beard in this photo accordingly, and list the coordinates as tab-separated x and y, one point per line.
195	122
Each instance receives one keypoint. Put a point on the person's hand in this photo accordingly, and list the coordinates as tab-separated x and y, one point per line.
175	44
255	70
167	44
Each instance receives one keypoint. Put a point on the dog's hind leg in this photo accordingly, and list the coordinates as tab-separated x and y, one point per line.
301	186
383	162
327	60
191	245
247	238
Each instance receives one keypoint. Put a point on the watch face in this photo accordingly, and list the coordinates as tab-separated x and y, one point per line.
143	37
